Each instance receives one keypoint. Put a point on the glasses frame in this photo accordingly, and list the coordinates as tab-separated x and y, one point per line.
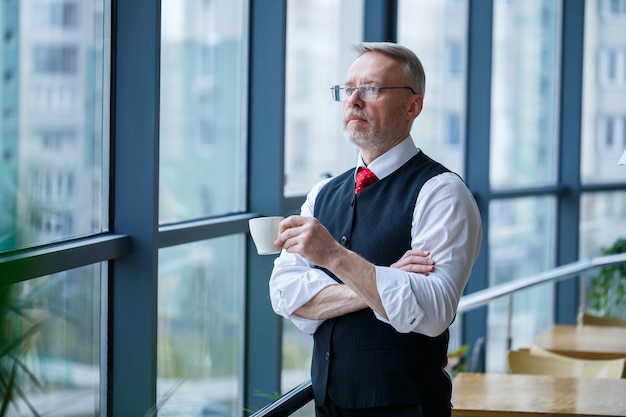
366	92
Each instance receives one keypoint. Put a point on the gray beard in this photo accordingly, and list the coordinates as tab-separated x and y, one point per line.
370	140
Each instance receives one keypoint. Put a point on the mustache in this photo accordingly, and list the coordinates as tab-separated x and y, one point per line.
355	113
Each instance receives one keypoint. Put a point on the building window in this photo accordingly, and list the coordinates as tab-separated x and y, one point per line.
612	66
453	129
611	134
613	8
54	98
63	15
56	59
9	37
454	58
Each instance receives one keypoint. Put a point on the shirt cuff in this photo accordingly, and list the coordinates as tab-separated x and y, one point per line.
396	295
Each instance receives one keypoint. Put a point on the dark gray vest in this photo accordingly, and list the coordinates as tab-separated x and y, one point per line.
358	360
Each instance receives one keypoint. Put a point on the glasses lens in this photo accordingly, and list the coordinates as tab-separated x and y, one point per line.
368	92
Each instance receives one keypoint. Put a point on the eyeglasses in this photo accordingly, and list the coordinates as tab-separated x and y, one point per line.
366	92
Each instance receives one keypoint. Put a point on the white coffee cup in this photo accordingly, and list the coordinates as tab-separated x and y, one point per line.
264	231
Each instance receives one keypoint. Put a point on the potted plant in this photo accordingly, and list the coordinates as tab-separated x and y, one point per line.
607	290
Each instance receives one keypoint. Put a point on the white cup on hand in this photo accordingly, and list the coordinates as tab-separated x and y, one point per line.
264	231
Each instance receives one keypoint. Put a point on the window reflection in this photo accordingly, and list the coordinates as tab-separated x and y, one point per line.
524	110
202	128
51	326
440	43
320	35
200	327
52	130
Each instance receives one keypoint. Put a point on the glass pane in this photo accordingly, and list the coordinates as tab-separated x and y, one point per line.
603	222
200	334
521	244
601	216
54	125
54	322
524	112
297	352
203	102
320	36
604	92
441	45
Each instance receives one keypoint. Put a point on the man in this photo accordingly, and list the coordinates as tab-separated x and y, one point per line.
354	270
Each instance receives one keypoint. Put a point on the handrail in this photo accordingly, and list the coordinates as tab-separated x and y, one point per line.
483	297
289	402
300	395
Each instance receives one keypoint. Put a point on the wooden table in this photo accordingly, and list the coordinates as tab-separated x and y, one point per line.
490	395
590	342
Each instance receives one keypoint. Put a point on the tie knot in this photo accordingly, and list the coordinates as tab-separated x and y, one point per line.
364	177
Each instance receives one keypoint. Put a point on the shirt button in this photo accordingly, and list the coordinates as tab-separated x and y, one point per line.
327	355
344	240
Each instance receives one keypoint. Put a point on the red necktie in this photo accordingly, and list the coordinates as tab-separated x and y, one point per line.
364	177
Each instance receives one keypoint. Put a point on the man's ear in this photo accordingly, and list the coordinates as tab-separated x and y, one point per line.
416	104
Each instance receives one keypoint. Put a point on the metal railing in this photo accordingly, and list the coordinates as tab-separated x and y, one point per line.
301	395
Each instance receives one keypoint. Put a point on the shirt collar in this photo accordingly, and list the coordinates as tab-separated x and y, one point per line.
390	160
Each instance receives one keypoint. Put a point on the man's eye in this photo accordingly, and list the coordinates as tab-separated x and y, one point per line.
350	90
372	88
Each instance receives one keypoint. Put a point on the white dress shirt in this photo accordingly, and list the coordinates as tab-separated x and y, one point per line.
446	222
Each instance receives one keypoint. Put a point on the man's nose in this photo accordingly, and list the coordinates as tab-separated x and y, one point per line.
354	99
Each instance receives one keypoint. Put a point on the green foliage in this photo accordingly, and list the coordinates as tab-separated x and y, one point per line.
607	292
17	330
457	362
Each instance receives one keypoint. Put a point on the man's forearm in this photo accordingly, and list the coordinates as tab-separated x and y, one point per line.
331	302
360	276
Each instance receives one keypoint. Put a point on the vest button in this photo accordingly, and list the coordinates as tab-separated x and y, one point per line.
327	355
344	240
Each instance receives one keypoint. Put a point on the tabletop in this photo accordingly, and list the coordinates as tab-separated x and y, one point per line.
516	395
591	342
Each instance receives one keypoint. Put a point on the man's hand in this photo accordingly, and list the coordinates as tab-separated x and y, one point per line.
308	238
415	261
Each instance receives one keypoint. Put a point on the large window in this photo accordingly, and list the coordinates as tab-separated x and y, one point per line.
53	130
54	162
51	334
202	173
523	153
524	94
201	327
139	288
203	109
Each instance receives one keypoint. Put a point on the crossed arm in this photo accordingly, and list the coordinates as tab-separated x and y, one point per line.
308	238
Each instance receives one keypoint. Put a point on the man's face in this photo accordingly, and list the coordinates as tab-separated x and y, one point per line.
377	126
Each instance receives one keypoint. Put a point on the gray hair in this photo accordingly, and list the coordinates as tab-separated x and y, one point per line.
412	64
